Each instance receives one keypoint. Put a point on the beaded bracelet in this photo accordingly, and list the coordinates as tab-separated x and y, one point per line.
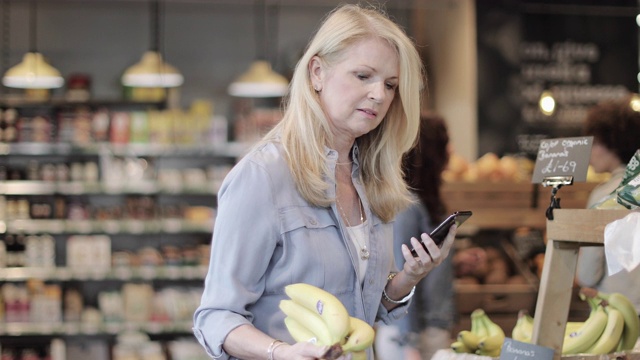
272	347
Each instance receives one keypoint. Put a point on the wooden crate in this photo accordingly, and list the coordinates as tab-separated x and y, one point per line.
487	195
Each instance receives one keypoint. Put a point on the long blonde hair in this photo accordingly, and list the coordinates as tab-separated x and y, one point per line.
304	130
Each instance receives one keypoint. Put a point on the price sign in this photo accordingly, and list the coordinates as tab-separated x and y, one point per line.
517	350
563	157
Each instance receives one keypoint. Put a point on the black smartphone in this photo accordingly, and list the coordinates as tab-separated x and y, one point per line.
440	232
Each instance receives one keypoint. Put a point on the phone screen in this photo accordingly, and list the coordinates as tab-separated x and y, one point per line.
440	232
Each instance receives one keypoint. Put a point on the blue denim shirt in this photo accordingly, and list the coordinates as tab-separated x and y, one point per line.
267	236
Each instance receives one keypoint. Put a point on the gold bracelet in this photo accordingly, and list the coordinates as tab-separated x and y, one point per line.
401	301
272	347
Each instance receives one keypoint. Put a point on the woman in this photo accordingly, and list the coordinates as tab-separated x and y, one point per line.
432	312
314	200
615	126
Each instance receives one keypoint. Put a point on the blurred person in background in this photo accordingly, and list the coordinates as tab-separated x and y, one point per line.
615	127
431	315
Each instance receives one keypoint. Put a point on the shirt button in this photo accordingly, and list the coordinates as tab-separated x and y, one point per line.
370	281
313	222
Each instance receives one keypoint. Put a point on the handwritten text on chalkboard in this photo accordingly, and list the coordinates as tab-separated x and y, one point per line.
516	350
565	156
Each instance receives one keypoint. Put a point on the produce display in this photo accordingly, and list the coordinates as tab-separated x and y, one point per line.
317	316
492	168
484	338
612	325
489	167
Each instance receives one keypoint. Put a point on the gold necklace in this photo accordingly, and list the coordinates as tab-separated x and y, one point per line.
364	251
344	163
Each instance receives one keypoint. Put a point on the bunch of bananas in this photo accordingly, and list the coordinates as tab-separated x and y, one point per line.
317	316
484	338
612	325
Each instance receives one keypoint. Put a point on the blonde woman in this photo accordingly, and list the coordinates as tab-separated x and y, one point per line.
314	201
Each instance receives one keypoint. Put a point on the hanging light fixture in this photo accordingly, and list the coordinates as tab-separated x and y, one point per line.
151	70
260	80
547	103
33	72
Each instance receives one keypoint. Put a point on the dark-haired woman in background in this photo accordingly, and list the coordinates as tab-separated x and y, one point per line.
427	327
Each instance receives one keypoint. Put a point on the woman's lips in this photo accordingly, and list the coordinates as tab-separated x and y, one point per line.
369	113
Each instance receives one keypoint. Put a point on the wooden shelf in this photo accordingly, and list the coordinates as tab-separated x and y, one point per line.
508	205
569	230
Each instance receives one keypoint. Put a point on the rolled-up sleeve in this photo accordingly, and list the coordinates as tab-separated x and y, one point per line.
239	256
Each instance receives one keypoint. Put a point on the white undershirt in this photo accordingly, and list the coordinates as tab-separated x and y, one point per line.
358	235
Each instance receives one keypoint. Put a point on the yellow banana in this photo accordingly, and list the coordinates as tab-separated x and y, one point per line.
631	321
589	333
459	347
608	341
360	337
523	330
469	339
298	331
490	353
359	355
494	339
326	305
311	321
477	325
572	327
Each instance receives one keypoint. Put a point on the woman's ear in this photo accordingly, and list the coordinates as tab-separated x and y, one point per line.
315	73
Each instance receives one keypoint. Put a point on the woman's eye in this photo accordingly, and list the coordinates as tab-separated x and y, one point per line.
391	86
362	76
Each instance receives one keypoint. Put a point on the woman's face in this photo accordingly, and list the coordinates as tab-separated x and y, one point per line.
356	92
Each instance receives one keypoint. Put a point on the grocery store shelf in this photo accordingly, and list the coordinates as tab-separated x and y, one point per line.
231	149
507	219
108	328
509	205
105	226
100	274
78	188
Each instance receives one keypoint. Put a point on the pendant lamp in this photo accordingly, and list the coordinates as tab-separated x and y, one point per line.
33	72
260	81
152	70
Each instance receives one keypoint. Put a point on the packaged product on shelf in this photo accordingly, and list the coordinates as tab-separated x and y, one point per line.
100	125
139	132
138	302
73	305
120	127
36	129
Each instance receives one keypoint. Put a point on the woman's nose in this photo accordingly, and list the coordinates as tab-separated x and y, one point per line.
376	92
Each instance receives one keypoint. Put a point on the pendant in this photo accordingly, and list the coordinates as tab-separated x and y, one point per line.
364	253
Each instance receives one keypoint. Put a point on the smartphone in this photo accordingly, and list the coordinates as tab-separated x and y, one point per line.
440	232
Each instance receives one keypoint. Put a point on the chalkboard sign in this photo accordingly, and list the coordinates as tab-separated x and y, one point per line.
517	350
563	157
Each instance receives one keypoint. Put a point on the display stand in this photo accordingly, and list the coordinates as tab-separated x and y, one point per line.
570	229
556	182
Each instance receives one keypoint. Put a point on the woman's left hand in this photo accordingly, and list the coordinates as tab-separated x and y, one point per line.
418	267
